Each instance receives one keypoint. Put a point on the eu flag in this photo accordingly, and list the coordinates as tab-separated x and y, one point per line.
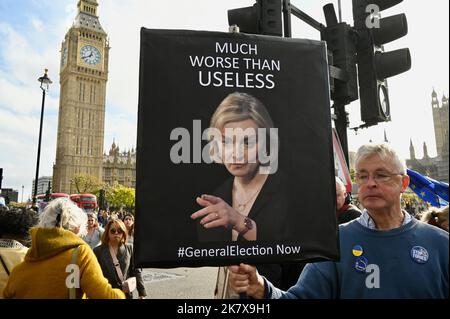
428	189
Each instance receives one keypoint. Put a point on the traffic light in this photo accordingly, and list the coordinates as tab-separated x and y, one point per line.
375	65
264	17
340	41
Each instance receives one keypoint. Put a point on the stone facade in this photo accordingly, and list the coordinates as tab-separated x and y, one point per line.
435	167
120	167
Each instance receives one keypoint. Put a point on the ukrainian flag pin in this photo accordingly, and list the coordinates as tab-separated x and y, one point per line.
357	250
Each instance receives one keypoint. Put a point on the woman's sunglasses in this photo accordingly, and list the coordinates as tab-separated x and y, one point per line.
116	231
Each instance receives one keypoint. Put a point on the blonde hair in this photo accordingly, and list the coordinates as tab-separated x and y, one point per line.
237	107
62	212
441	214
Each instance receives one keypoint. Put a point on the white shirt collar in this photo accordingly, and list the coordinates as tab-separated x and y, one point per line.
367	221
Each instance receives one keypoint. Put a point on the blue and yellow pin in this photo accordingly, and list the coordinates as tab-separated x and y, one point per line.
357	250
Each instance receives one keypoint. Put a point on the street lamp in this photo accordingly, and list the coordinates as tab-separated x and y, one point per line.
45	82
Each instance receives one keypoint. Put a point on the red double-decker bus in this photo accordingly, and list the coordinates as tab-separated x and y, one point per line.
87	202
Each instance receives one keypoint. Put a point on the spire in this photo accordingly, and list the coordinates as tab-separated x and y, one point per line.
385	137
412	152
444	100
433	94
434	99
425	150
87	16
88	7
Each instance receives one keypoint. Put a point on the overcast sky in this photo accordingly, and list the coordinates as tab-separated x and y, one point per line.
31	32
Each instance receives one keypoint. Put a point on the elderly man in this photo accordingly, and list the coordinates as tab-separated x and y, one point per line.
345	211
385	253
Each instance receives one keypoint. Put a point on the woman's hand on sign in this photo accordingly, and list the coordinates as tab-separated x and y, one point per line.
216	213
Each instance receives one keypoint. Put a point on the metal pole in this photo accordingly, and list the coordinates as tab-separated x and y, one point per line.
22	195
340	11
39	148
306	18
287	18
341	123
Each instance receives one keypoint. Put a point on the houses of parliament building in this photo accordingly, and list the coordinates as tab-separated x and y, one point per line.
434	167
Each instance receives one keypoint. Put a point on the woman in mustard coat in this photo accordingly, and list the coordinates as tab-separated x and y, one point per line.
59	264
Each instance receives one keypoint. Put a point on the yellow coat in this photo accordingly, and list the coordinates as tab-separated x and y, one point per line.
43	272
11	256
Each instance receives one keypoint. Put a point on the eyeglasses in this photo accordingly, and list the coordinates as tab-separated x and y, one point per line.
378	177
116	231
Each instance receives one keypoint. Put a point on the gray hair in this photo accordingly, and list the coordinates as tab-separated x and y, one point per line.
62	212
340	184
384	151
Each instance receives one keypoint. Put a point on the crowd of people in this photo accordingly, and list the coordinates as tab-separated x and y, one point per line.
380	240
37	249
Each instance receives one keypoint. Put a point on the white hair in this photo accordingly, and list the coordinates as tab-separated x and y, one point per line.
340	184
62	212
384	151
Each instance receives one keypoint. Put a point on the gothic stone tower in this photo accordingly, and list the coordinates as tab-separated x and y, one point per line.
440	121
83	77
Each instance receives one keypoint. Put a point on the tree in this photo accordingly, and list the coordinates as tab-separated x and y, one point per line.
85	183
353	175
17	205
118	196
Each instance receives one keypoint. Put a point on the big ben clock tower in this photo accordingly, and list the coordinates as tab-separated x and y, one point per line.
81	120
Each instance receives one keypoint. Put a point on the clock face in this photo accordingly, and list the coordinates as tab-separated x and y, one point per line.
90	55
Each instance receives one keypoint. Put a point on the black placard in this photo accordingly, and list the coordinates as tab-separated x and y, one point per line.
184	77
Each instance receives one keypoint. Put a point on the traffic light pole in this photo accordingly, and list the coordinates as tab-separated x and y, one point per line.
340	115
289	9
341	124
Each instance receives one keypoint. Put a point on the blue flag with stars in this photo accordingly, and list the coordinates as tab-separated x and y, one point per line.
428	189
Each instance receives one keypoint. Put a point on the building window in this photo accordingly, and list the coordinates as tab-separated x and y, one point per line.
89	146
